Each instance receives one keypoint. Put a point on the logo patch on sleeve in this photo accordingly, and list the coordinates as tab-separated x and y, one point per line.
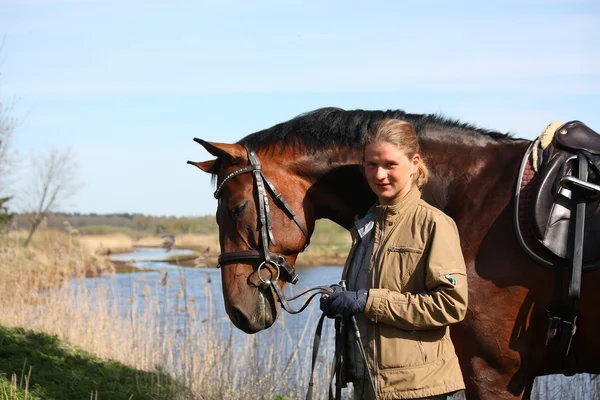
450	279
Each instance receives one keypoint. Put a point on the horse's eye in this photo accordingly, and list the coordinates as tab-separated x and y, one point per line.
238	210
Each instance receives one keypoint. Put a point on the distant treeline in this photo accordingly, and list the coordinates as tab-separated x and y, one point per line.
128	223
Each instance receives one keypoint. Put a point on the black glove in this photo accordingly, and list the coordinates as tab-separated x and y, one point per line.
344	303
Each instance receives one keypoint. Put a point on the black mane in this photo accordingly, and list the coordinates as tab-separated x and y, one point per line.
328	127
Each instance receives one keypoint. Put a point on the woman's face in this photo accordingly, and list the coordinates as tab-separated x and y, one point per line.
389	171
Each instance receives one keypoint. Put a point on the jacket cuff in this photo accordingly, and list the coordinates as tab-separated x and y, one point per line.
374	302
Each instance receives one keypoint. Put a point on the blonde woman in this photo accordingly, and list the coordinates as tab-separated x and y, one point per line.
406	279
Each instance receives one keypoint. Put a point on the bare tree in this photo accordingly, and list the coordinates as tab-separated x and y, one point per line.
54	181
7	156
7	127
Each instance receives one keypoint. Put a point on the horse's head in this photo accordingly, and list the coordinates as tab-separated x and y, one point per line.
260	235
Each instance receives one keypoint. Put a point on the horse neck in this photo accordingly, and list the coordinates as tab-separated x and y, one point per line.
337	189
462	174
466	175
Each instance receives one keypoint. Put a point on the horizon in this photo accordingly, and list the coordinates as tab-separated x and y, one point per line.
128	85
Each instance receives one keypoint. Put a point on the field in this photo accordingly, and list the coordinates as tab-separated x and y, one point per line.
111	234
60	340
137	354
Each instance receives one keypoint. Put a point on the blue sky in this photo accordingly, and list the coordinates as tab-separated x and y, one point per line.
128	84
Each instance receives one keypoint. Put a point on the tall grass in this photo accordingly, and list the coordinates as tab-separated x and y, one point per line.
159	326
163	327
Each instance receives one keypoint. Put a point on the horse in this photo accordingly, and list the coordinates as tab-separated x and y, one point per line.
312	163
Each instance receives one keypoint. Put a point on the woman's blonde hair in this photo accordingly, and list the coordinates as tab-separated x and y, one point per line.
402	135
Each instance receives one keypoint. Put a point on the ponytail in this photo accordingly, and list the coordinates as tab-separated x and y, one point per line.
421	176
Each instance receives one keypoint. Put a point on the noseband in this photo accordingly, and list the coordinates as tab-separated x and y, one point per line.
278	261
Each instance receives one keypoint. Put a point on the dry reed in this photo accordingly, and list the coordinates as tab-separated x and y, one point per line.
153	326
162	327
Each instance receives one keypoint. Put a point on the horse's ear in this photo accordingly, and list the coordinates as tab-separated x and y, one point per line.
230	152
206	166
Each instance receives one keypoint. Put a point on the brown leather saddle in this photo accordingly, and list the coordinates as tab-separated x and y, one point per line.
559	208
569	174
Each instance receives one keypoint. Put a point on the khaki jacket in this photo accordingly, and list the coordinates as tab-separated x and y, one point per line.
417	288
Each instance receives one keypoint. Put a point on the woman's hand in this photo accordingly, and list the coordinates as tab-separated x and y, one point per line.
344	303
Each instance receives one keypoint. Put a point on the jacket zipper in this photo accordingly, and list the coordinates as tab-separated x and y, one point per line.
375	265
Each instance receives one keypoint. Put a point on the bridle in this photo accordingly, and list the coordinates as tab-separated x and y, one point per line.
279	262
276	260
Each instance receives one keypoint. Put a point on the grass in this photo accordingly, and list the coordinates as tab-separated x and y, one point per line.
330	244
108	243
163	325
156	330
40	366
156	339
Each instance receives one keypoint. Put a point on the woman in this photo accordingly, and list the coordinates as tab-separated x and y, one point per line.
406	279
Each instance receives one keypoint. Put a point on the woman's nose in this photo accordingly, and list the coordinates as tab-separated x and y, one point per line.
380	173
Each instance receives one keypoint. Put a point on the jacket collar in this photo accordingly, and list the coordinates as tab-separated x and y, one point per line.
410	199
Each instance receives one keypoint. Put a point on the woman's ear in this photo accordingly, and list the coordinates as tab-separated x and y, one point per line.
416	160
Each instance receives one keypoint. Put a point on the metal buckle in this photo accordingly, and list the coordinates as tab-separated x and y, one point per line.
267	281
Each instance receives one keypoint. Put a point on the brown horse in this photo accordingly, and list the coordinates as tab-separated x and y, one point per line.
313	161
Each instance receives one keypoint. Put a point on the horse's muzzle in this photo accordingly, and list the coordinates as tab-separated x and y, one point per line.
254	316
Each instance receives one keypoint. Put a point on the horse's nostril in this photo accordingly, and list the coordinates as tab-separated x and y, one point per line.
238	317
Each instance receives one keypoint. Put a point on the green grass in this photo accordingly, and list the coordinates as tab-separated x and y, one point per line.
51	369
328	233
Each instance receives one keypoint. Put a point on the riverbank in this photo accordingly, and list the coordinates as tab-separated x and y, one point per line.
174	320
101	236
329	246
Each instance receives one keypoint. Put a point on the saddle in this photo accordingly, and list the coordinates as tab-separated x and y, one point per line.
560	211
568	175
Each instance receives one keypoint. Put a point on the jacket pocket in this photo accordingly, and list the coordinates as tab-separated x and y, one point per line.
404	249
399	269
398	348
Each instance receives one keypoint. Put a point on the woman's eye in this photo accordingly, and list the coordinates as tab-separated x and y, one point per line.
238	210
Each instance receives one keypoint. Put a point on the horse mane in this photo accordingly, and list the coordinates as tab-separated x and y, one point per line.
327	127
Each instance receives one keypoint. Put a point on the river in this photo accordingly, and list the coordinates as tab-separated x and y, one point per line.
201	281
202	289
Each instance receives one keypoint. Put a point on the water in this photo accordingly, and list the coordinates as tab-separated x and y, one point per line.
150	256
199	282
183	299
174	286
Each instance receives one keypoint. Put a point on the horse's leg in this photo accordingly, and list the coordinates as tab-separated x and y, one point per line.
500	343
491	368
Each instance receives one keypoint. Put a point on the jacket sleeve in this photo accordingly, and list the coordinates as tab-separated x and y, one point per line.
445	300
